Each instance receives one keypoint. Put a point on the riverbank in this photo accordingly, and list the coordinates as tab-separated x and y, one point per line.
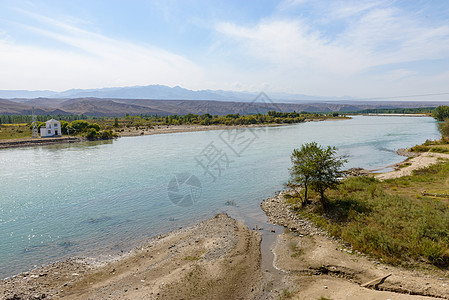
414	162
396	115
128	132
132	131
318	265
216	259
164	129
220	258
29	142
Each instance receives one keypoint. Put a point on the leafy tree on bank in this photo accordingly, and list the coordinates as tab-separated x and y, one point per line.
302	170
441	113
443	127
316	167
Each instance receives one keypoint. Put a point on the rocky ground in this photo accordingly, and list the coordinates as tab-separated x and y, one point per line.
320	266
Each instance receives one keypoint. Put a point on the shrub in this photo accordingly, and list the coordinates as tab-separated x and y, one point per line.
441	113
92	134
94	126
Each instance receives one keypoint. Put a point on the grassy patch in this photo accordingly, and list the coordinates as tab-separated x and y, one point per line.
405	164
191	258
296	250
391	220
9	131
286	294
441	146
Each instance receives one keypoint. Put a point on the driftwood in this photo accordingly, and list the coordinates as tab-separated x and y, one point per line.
375	282
435	195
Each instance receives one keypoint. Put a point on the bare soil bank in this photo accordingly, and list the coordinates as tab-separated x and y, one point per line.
217	259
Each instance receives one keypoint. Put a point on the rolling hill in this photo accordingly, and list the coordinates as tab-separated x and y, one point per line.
120	107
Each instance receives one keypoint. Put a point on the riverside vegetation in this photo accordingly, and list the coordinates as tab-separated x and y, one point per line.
19	126
390	220
403	221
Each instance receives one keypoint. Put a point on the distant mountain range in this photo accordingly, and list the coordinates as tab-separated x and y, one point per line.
120	107
159	92
164	100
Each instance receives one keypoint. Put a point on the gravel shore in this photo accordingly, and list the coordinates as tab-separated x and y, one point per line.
280	213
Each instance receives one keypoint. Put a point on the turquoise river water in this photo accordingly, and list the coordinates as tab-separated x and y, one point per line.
102	197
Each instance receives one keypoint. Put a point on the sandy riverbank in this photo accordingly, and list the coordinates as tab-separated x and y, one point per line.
163	129
217	259
415	162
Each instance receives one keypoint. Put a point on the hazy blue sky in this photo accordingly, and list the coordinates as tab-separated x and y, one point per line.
327	48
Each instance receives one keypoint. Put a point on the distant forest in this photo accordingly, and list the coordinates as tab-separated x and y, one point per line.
22	119
416	110
207	119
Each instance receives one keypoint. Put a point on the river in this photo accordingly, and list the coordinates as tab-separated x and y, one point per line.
82	199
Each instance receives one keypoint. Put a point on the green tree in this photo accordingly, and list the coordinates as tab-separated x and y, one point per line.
115	122
64	126
79	126
94	126
302	170
441	113
316	167
92	134
444	129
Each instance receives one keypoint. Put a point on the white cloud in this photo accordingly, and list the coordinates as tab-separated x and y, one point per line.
333	64
286	4
400	74
346	9
94	61
366	53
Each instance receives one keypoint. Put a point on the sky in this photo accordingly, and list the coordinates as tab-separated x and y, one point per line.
379	48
